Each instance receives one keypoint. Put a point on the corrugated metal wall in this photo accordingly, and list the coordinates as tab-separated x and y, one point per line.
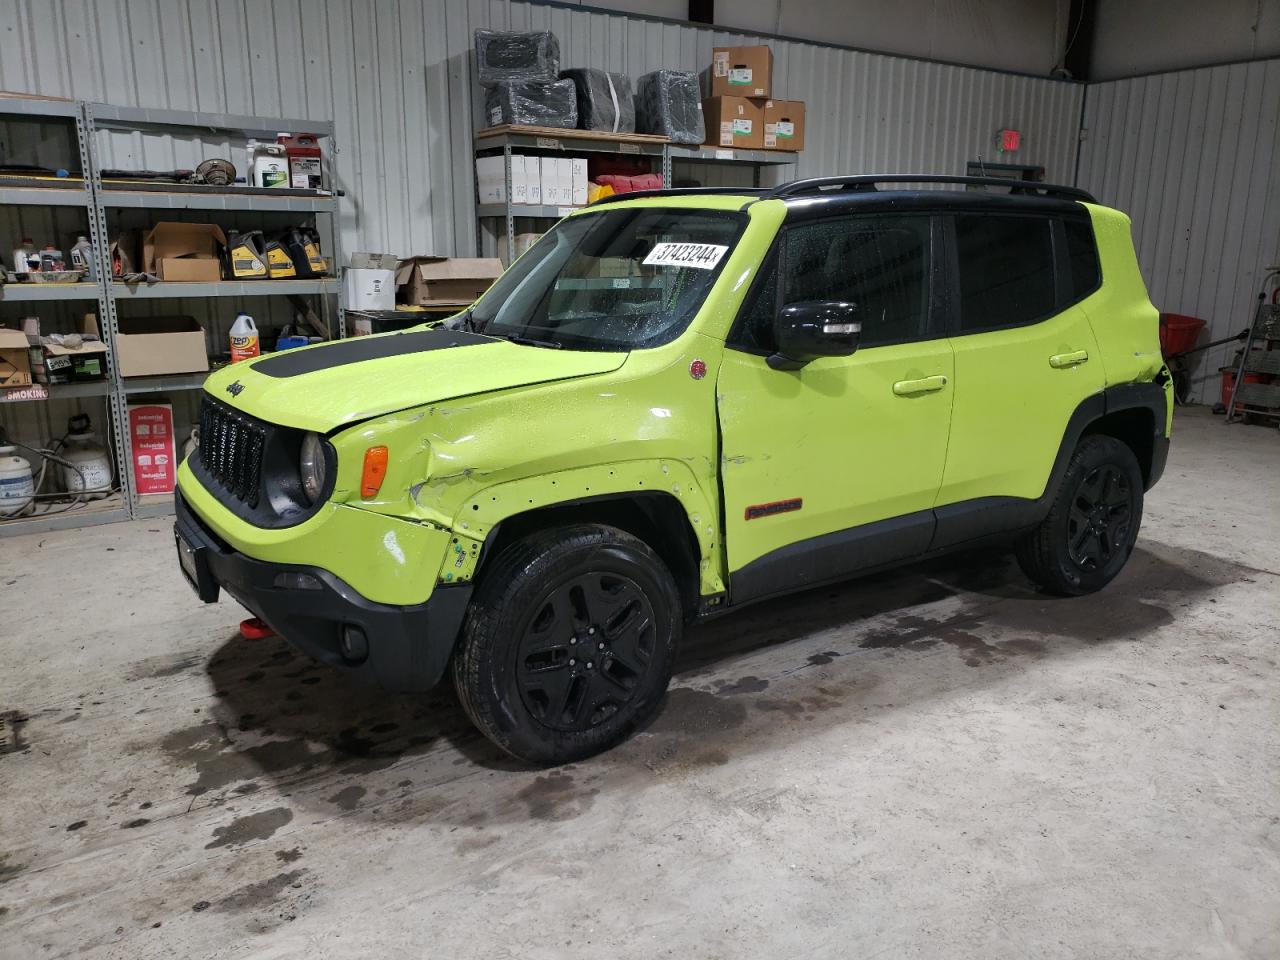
1194	158
392	74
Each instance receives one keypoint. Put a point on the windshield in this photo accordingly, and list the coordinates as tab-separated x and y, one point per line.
614	280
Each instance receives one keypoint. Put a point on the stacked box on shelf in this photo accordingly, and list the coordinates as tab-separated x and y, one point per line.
742	111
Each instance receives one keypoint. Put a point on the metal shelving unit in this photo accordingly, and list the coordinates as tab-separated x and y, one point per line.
710	154
70	192
31	292
551	141
72	195
223	288
166	382
68	391
118	195
98	197
123	196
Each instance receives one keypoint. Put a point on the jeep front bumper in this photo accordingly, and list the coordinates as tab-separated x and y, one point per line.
406	647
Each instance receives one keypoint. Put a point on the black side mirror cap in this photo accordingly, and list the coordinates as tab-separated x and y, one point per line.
814	328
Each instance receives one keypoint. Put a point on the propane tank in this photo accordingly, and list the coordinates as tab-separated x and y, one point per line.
17	485
91	477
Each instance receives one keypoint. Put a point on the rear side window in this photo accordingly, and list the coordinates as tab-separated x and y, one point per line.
1006	270
1082	258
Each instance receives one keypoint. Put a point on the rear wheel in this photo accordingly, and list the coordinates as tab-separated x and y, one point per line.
1093	524
569	643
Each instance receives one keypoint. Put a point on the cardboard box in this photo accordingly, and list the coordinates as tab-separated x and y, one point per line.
533	181
519	180
783	125
371	281
421	281
83	363
15	360
550	175
150	346
742	71
734	122
491	180
155	460
184	252
579	193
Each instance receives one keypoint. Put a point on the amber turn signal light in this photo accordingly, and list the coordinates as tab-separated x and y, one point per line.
375	469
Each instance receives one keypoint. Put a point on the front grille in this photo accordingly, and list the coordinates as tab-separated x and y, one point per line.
231	448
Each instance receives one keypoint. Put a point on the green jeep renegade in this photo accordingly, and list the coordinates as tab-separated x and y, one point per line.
673	405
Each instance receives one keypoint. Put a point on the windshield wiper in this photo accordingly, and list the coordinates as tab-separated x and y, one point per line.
530	342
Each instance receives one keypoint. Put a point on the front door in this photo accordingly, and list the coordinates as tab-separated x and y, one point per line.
835	467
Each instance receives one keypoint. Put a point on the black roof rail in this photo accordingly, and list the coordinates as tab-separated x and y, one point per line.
867	183
684	192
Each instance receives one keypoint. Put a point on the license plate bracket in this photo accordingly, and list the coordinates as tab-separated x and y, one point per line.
194	563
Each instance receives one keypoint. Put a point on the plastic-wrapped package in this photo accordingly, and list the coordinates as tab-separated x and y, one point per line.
669	103
604	100
528	57
532	104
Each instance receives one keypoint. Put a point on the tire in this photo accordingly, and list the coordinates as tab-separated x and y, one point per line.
569	643
1092	524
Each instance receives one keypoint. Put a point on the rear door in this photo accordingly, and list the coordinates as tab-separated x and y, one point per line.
1025	357
812	459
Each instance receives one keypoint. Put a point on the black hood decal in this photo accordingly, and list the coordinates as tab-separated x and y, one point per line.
295	363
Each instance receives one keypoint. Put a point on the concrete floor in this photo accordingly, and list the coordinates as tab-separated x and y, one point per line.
937	763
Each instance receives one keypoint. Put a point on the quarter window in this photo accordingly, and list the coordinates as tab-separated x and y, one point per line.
1006	270
1082	254
880	264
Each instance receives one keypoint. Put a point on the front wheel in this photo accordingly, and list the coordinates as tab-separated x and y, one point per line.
569	643
1093	523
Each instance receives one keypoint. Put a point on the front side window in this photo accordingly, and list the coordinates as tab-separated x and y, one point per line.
880	264
1006	270
618	279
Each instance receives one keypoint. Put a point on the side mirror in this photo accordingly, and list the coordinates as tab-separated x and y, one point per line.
812	329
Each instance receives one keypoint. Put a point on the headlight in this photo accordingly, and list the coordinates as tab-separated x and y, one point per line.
311	466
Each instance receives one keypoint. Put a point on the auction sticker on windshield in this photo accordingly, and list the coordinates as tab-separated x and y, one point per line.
703	256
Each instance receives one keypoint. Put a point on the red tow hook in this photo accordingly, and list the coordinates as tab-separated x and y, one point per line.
255	629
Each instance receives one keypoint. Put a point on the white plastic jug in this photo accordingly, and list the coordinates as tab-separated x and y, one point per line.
244	338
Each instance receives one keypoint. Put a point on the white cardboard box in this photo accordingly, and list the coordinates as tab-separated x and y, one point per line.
491	180
565	165
519	180
550	181
579	198
371	280
533	181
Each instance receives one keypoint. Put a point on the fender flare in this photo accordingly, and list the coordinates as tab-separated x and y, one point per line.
476	524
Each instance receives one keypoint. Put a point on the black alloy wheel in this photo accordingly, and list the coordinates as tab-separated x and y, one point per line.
1092	523
569	642
1098	522
584	651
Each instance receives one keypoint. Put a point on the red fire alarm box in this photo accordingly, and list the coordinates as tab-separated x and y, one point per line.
1010	140
155	462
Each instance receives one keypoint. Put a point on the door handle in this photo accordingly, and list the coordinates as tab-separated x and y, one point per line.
1060	360
907	388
